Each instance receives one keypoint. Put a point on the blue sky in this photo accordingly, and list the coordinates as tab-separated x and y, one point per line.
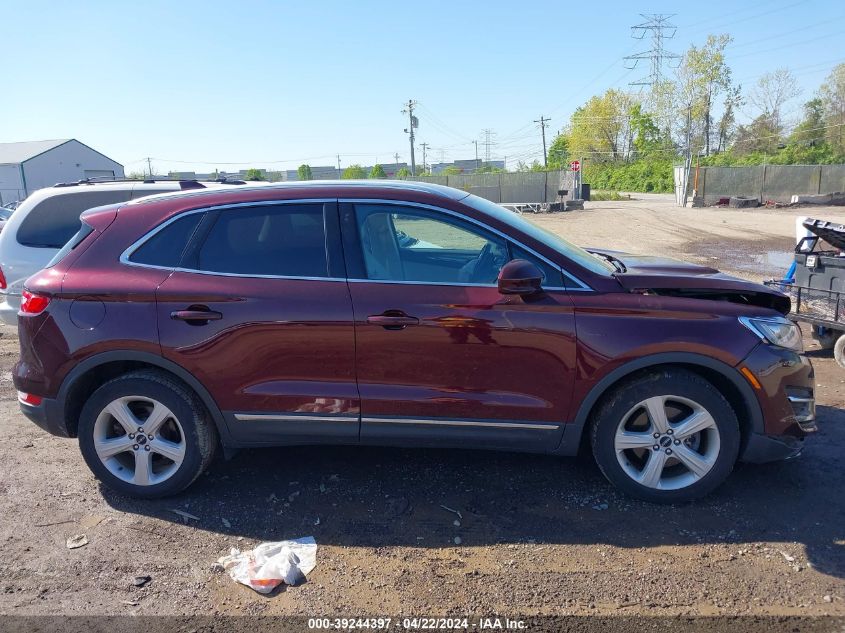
274	84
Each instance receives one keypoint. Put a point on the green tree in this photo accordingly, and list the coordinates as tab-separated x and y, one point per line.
487	168
354	172
703	76
600	128
647	139
559	152
303	172
451	170
832	94
772	91
727	122
377	172
403	173
810	131
760	135
254	174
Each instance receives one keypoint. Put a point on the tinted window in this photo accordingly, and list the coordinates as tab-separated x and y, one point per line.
575	253
288	240
53	221
84	231
166	247
552	277
408	244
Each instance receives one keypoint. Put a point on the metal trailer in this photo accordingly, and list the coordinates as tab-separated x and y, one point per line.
817	287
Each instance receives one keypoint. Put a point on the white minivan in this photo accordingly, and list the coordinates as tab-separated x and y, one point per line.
49	217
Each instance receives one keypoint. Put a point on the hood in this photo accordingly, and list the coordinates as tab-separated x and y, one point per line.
673	277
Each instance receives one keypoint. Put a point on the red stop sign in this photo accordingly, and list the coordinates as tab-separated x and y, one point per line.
575	165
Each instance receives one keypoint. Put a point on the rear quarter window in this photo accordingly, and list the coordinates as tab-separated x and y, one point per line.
167	246
54	220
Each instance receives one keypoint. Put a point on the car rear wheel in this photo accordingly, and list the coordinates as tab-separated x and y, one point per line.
146	435
666	437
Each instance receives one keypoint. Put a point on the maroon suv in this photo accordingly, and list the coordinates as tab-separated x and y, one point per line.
398	314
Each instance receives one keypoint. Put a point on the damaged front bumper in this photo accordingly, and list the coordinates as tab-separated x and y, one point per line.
785	389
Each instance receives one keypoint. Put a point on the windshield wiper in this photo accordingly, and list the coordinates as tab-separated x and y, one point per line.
614	261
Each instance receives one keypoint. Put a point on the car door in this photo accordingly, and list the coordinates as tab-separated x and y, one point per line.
259	311
442	357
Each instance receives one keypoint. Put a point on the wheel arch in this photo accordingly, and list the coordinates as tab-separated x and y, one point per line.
725	378
86	376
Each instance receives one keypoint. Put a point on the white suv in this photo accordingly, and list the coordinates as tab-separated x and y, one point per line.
47	219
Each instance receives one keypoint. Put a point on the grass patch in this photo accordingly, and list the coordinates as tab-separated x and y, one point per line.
607	196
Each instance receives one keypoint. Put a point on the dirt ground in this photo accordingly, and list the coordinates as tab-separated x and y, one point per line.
537	535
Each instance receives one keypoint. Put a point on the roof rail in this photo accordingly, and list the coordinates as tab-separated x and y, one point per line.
185	183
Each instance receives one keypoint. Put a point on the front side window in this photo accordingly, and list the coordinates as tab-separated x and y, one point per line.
285	240
54	220
417	245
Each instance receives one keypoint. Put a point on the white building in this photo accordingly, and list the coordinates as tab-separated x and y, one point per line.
25	167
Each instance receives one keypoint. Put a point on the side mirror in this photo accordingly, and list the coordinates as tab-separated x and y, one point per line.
520	277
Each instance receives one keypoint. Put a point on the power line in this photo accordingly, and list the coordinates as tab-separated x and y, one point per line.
660	27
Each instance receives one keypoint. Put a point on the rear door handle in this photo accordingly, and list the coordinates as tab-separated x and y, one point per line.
196	315
393	321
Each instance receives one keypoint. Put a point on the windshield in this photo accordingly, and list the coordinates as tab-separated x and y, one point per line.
568	249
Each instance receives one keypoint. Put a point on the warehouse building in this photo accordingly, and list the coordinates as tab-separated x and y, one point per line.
27	166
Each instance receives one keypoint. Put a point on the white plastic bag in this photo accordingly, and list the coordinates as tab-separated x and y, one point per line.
270	564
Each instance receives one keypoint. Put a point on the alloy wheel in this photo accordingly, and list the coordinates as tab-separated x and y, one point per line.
667	442
139	440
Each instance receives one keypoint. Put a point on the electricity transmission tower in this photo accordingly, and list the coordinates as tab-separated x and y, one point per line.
488	141
661	29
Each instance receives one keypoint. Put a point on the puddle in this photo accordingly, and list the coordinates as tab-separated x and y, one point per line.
748	257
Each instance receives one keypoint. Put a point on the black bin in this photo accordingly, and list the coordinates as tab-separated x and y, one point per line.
585	191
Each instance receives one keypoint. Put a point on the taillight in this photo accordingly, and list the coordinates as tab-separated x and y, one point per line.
29	398
32	303
2	280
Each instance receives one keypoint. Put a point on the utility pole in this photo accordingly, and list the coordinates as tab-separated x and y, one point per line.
424	146
543	121
338	166
396	160
476	154
413	123
150	167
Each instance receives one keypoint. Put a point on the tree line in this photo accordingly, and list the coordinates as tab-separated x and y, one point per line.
631	141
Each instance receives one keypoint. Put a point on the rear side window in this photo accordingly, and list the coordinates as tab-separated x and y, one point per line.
167	246
84	231
286	240
53	221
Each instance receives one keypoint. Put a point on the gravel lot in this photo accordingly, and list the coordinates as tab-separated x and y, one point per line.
537	535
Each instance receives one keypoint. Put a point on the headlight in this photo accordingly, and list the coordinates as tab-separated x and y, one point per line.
778	331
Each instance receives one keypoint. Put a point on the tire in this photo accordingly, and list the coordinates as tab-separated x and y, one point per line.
698	427
826	340
839	351
174	449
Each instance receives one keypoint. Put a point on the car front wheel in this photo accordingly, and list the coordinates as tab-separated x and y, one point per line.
667	437
145	434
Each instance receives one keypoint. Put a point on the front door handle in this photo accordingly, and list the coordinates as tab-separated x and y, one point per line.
197	316
393	320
